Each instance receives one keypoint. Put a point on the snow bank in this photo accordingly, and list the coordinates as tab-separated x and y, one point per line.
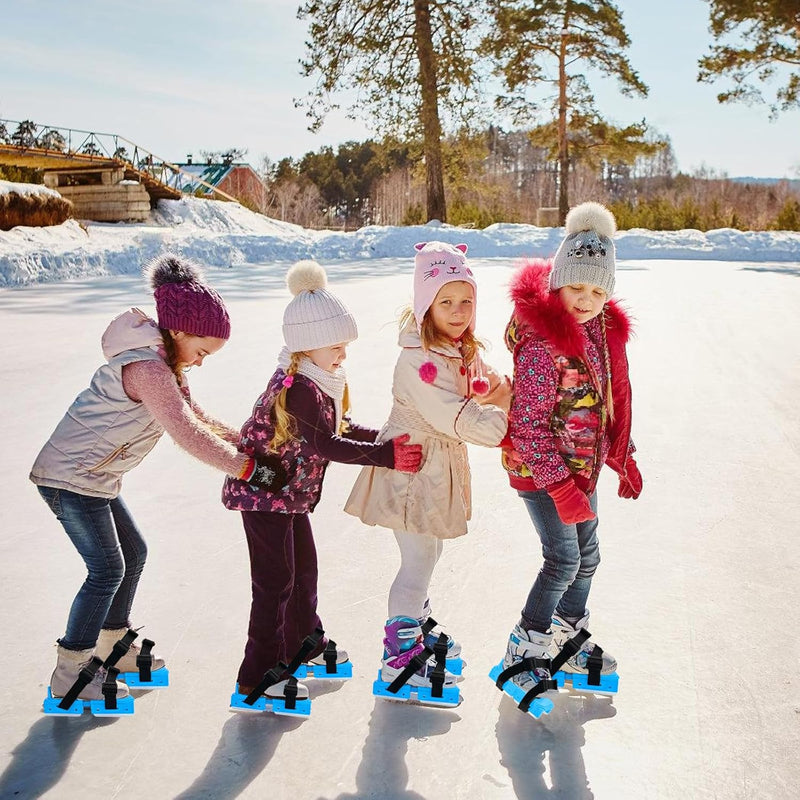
222	234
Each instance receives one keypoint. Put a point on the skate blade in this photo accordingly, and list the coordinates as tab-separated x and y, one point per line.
158	679
320	672
579	682
274	705
538	706
422	695
98	708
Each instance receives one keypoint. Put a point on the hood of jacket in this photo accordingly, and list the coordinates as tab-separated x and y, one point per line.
540	312
131	330
409	337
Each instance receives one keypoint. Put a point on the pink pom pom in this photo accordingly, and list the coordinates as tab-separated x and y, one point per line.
480	385
428	372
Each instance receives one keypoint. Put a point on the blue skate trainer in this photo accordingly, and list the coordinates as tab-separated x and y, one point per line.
71	706
531	701
331	669
288	705
592	681
434	692
145	677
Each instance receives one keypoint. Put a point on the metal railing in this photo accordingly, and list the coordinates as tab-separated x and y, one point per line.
52	139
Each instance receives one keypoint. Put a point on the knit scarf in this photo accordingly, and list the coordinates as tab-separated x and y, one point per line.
331	383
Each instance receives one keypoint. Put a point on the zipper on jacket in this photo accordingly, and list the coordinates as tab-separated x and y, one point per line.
121	451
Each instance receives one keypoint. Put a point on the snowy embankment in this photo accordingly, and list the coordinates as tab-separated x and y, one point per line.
220	234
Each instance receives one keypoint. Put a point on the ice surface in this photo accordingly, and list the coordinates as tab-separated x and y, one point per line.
696	597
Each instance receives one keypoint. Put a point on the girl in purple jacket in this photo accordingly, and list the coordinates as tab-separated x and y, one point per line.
301	416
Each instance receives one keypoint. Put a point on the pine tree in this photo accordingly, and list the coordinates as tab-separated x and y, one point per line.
530	37
764	44
408	61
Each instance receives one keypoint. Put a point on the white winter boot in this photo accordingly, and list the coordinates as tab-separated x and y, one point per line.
563	631
528	644
69	664
105	644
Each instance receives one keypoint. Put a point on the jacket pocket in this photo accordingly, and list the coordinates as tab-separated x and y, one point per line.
117	452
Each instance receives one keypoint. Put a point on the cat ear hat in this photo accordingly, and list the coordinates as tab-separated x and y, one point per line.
435	264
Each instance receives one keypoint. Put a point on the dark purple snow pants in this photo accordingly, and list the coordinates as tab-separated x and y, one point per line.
283	569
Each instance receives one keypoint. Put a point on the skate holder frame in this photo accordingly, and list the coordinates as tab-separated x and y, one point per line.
110	705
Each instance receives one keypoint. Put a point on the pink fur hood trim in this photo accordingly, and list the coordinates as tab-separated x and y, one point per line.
542	314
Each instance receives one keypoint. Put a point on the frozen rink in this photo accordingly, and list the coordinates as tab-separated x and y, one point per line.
697	595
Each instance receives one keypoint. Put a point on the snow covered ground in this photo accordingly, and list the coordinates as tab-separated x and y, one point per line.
225	234
696	596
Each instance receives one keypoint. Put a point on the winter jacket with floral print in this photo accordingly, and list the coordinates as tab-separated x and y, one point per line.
559	422
305	457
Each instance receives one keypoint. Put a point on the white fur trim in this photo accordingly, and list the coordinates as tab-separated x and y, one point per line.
306	276
591	217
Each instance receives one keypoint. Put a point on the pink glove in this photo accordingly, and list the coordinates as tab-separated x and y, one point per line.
571	503
630	483
407	457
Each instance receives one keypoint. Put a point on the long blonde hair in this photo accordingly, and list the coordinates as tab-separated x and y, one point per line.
285	425
607	361
430	336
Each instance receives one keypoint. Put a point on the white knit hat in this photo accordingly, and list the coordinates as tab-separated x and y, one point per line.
587	253
315	317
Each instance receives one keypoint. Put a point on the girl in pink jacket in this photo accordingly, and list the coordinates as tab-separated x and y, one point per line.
570	415
110	427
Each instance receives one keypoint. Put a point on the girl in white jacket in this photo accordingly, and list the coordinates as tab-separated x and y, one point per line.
444	396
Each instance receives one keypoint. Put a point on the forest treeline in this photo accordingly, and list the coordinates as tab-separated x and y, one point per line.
505	177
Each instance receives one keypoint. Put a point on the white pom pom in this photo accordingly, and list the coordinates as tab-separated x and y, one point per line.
591	217
305	276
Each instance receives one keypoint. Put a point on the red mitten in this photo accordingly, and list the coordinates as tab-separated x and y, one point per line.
407	457
630	482
571	503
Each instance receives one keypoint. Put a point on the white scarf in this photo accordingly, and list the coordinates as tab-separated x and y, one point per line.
331	383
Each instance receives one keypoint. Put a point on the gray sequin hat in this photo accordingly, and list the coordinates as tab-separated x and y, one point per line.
587	253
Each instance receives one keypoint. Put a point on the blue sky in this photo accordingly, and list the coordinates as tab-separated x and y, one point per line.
178	77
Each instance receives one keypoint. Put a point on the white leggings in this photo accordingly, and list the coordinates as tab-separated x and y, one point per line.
418	556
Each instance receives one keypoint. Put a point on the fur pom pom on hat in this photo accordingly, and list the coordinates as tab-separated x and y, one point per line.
435	264
315	317
587	253
183	301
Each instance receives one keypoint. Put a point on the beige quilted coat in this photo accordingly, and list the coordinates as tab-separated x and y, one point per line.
441	416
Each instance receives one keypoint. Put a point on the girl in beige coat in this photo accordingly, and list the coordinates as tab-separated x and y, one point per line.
444	396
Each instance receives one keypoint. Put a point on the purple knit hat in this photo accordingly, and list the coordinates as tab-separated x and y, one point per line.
183	301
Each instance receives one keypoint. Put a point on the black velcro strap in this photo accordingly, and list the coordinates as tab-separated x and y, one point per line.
527	664
110	689
144	661
438	674
541	687
428	626
270	678
570	648
85	677
594	664
309	643
290	693
121	646
415	664
330	655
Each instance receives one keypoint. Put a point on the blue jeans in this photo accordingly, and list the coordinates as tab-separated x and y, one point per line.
571	555
114	552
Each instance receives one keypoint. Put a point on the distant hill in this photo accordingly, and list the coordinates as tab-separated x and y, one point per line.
794	183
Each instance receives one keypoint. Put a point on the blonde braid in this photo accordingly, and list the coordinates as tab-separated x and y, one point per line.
607	362
285	429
